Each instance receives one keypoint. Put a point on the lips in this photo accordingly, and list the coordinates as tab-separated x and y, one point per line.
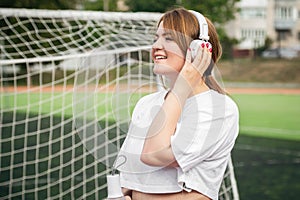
159	57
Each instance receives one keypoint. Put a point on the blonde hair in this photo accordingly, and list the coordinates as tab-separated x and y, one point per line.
185	28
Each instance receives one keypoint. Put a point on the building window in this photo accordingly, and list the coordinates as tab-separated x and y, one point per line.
253	33
257	35
251	13
283	13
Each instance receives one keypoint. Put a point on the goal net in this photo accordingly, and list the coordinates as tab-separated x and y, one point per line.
68	83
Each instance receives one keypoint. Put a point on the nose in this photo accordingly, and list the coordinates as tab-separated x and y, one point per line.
157	44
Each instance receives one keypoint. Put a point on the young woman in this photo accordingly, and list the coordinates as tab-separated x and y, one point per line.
179	140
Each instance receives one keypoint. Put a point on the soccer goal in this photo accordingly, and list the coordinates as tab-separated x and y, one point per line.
68	83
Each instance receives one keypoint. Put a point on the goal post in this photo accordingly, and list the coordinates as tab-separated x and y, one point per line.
68	83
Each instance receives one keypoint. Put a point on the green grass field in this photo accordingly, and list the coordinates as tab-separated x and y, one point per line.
266	155
269	115
267	168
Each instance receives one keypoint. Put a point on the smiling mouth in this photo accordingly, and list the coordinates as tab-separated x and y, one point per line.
160	57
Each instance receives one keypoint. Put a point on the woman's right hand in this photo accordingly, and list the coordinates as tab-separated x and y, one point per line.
192	71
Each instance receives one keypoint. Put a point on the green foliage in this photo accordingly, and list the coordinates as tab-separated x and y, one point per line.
150	5
218	11
40	4
227	43
99	5
268	44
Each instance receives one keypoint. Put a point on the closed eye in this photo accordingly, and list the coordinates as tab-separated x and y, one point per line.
166	35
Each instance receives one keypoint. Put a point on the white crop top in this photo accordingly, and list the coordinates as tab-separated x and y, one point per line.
204	138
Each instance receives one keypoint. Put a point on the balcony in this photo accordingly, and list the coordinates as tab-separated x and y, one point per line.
284	24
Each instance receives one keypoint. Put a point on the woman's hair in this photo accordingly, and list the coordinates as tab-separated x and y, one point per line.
185	27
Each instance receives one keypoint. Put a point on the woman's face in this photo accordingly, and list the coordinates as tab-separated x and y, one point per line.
166	54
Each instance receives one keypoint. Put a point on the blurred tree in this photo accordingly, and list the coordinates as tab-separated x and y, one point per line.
218	11
150	5
267	45
40	4
227	43
106	5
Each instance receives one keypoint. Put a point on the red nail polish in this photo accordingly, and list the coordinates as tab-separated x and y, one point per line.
207	45
202	45
210	49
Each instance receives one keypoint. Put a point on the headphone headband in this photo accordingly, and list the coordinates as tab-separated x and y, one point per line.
202	24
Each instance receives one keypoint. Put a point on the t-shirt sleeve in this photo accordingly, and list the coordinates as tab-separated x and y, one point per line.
202	137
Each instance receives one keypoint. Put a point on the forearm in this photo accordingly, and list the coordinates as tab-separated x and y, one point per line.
157	147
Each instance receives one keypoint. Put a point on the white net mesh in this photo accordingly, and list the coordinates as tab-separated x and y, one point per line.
68	83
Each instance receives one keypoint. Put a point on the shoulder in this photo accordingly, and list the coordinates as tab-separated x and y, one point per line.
231	106
216	99
152	97
155	98
211	104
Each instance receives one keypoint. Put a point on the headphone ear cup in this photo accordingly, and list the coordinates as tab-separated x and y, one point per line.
196	44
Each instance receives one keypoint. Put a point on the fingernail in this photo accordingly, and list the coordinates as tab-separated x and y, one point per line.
210	49
202	45
207	45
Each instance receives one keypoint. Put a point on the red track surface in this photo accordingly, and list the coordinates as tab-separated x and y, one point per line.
229	90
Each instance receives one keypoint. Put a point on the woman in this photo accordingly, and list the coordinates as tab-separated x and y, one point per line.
180	139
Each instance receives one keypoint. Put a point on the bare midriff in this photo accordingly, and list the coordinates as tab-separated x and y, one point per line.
193	195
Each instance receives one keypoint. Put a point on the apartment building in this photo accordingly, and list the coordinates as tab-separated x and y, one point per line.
257	20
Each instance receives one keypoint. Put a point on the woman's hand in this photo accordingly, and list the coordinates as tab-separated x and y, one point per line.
192	71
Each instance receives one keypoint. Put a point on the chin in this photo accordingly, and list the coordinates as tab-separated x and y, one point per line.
160	69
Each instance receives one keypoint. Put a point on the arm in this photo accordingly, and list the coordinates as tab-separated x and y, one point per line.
157	149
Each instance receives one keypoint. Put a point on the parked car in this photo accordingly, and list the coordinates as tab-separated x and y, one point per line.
280	53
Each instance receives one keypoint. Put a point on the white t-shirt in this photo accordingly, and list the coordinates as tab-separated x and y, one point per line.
204	137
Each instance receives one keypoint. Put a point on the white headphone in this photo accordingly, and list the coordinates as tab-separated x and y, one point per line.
202	24
203	36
